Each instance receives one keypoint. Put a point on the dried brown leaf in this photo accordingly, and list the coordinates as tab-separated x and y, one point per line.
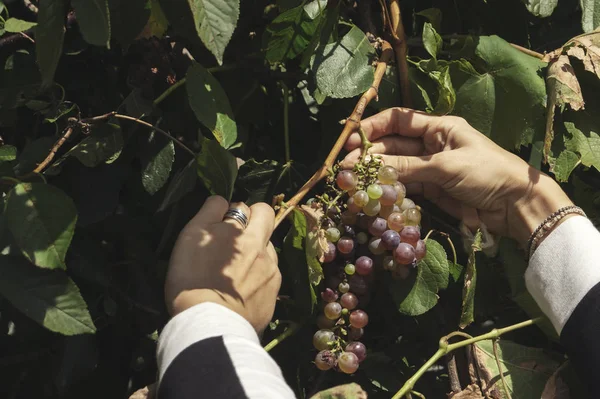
587	49
556	388
470	392
316	243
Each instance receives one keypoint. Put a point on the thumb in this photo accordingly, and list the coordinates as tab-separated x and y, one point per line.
424	169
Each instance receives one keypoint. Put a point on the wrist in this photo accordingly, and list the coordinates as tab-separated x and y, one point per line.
187	299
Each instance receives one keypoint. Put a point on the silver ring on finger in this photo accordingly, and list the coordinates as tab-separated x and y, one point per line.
237	215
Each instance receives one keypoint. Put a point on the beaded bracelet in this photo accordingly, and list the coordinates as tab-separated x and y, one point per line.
548	224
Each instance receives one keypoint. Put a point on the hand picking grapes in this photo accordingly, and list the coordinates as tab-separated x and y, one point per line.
223	275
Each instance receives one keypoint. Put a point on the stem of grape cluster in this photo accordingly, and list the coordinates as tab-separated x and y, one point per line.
351	125
366	144
281	337
401	51
446	348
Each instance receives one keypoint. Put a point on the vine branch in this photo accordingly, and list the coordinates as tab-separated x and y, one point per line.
351	125
284	335
401	51
53	151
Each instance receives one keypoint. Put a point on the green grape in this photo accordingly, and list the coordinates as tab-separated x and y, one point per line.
401	191
374	191
372	208
361	198
322	339
412	217
387	175
349	269
407	204
332	234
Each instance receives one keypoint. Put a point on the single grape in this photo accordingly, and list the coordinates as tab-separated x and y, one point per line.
333	310
410	235
332	234
349	301
358	285
345	245
359	349
359	318
361	198
389	195
323	339
348	362
362	238
387	174
330	253
377	226
349	269
325	360
401	191
396	221
364	266
355	333
344	287
412	217
372	208
404	254
329	295
349	218
376	246
352	207
347	230
346	179
420	250
390	239
374	191
324	323
407	203
388	263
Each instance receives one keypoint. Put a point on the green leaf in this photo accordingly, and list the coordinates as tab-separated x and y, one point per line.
431	40
289	34
42	220
418	293
157	160
49	35
15	25
217	168
315	8
181	184
93	17
525	369
433	15
541	8
468	297
344	69
8	153
211	105
562	166
446	95
259	179
103	145
215	22
127	19
48	297
348	391
590	14
587	147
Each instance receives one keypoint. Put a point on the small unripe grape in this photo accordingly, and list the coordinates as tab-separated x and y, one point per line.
374	191
346	179
388	263
358	284
376	246
372	208
352	207
344	287
349	269
390	239
329	295
410	235
412	217
396	221
404	254
389	195
330	253
348	362
377	227
359	319
361	198
349	301
325	360
345	245
324	323
355	333
364	266
387	174
349	218
323	339
420	250
401	191
407	203
332	234
333	310
362	238
359	349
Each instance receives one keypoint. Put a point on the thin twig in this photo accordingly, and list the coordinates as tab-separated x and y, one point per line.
281	337
53	151
504	384
401	51
418	394
25	35
351	125
528	51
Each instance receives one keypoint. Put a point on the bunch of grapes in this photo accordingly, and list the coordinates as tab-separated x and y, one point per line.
369	225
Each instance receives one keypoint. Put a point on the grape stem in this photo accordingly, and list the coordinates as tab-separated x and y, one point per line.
504	384
401	51
366	144
283	336
418	394
445	348
351	126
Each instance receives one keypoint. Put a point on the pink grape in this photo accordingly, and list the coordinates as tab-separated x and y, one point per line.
329	295
420	250
389	196
396	221
352	207
349	300
359	319
359	349
404	254
390	239
372	208
324	323
325	360
376	246
322	339
333	310
348	362
330	253
387	174
401	191
346	180
364	266
377	227
361	198
355	333
345	245
358	284
410	235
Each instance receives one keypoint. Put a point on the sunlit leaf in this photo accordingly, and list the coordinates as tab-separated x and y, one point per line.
541	8
18	25
157	160
562	166
588	148
590	14
103	145
432	41
8	153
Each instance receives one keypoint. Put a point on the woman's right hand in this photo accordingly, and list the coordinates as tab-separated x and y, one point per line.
460	170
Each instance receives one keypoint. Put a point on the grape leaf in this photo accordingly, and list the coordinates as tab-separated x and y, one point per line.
8	153
432	41
49	35
470	283
93	17
344	68
157	160
418	293
42	220
15	25
103	145
590	14
541	8
217	168
289	34
315	8
259	179
181	184
48	297
588	148
587	49
347	391
215	22
211	105
562	166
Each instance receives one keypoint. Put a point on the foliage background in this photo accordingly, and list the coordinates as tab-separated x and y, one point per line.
85	240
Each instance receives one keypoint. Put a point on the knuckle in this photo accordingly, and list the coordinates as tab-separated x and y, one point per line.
266	210
216	200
